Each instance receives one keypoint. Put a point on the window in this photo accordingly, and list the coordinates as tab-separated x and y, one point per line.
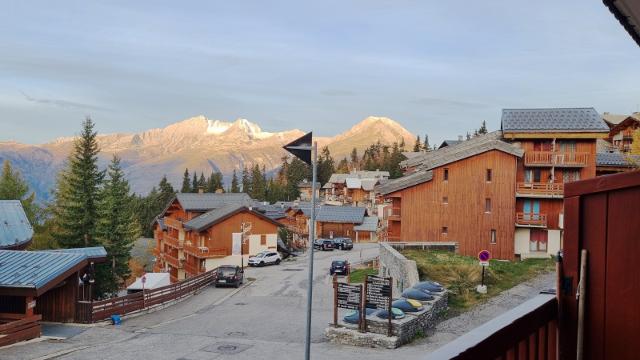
445	230
570	175
538	240
487	205
263	239
446	174
445	200
489	175
493	236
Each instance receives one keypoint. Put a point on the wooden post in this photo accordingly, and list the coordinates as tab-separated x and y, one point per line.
362	310
335	300
582	294
390	297
364	304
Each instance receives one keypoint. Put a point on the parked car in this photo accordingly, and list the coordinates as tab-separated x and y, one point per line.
326	245
229	275
265	258
343	243
339	267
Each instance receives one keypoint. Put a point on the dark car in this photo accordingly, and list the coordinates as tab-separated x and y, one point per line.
343	243
339	267
323	244
229	275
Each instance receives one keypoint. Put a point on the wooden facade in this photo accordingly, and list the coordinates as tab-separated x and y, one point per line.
329	230
621	134
456	210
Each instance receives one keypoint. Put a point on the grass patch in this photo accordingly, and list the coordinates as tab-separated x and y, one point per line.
358	275
461	274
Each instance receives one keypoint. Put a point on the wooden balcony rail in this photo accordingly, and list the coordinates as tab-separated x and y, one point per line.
174	223
525	332
204	252
553	158
173	241
193	269
394	213
172	260
19	329
531	219
540	189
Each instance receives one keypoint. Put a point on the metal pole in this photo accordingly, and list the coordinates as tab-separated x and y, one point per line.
312	235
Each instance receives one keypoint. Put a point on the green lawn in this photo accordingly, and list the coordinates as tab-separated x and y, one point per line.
461	274
358	275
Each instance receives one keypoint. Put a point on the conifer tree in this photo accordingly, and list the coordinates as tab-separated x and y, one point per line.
355	161
116	230
194	182
235	187
257	183
78	192
418	145
14	187
326	166
246	181
186	186
202	182
343	166
426	147
167	192
483	128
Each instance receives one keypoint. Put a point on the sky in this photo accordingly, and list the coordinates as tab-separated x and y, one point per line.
437	67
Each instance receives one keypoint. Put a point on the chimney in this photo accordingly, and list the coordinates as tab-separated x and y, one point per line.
200	190
459	137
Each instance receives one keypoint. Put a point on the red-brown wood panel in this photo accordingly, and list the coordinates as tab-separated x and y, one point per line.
622	305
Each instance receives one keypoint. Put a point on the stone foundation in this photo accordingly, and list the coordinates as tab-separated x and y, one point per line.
403	330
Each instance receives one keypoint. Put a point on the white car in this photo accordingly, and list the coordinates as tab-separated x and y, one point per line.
265	258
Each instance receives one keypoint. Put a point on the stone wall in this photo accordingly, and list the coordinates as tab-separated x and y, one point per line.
403	271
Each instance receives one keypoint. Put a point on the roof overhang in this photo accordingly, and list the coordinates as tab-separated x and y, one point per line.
33	291
628	13
555	135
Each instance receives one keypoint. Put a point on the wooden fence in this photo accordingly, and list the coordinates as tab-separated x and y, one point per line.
94	311
19	329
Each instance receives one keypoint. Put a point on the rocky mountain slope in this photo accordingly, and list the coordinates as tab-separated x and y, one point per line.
197	143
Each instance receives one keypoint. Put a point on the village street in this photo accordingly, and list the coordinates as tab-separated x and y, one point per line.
264	320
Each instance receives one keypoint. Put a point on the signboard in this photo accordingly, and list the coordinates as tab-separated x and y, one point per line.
484	256
378	294
349	296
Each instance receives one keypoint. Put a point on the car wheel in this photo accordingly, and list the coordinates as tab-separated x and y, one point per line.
261	263
278	262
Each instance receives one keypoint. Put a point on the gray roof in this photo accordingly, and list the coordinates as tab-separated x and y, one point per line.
272	211
216	215
370	223
553	120
616	159
96	252
404	182
361	174
15	229
208	201
477	145
341	214
449	143
35	269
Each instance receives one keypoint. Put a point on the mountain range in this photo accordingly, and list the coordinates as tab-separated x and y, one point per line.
197	143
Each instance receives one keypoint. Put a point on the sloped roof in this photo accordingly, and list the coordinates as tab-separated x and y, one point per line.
36	270
418	177
628	14
307	184
361	174
341	214
616	159
614	119
15	229
214	216
463	150
370	223
208	201
92	253
449	143
552	120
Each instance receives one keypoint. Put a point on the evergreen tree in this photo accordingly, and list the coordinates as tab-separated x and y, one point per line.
246	181
186	186
13	187
326	166
258	189
194	183
402	144
78	194
483	128
343	166
235	187
116	230
167	192
426	147
468	136
202	183
355	161
418	145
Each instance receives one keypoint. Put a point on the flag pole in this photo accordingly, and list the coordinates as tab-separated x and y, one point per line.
312	235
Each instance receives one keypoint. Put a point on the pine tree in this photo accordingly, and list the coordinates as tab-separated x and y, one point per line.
483	128
13	187
202	182
246	181
186	186
116	230
258	188
355	161
426	147
418	145
343	166
194	183
468	136
235	187
78	194
326	166
167	192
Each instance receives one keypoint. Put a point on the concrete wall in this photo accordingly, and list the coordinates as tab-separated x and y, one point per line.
521	246
403	271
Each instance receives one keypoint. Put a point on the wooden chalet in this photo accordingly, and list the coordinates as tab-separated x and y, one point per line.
305	188
42	285
355	188
339	221
199	232
613	162
621	133
461	194
15	230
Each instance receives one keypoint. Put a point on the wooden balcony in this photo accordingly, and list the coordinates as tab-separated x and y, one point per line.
203	252
173	223
173	242
531	220
540	190
553	158
528	331
173	261
395	214
193	269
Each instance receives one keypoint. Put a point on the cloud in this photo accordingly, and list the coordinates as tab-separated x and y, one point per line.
337	92
432	101
63	103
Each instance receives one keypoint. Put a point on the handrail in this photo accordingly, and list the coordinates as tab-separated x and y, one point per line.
549	158
531	325
204	252
539	188
533	219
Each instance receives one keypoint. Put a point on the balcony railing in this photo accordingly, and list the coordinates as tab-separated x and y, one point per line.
539	190
552	158
172	260
531	219
173	241
528	331
174	223
203	252
193	269
395	214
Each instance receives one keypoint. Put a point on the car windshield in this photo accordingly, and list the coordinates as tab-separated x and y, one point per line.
347	240
227	271
261	255
338	263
